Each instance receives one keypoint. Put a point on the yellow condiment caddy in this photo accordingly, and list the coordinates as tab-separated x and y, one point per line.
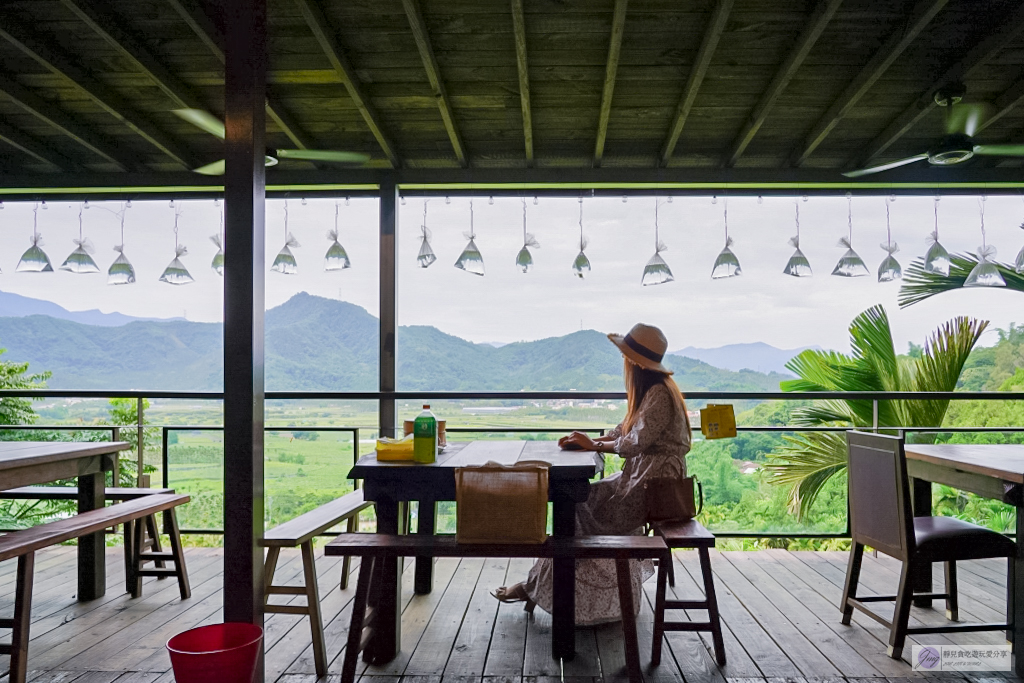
395	449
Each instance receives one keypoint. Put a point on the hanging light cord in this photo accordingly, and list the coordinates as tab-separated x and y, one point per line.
472	231
981	210
425	213
657	241
888	227
849	218
286	220
725	216
336	209
35	223
936	218
797	206
177	212
524	221
581	223
80	211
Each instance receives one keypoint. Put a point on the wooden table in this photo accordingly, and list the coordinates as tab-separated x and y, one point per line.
988	470
24	463
392	485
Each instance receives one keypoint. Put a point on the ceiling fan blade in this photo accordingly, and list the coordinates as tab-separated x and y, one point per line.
203	120
216	168
324	155
966	118
885	167
1000	150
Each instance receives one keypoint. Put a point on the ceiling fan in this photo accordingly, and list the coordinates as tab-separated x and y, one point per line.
962	122
206	121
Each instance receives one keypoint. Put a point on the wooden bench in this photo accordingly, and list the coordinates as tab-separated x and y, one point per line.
24	543
687	534
376	547
300	532
151	531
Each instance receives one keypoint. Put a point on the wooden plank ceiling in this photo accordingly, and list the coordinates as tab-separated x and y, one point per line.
89	86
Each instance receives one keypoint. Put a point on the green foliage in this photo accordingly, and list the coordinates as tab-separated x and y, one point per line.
18	411
306	436
919	284
808	461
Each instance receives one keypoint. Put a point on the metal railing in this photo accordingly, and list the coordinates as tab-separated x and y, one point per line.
140	426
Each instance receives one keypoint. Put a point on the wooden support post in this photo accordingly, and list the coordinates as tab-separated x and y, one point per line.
92	564
244	197
388	302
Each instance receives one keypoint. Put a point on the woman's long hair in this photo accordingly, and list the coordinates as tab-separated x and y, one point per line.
638	382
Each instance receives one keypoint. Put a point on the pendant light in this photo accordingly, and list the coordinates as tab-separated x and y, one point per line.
581	264
850	263
217	264
726	265
426	255
985	273
285	261
656	271
936	259
336	257
470	260
798	265
121	271
889	269
176	273
79	261
35	260
524	259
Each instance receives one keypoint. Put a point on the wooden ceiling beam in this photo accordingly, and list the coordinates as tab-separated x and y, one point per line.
47	112
1009	100
35	149
822	15
712	34
898	41
986	50
193	14
52	57
422	37
610	71
519	31
328	41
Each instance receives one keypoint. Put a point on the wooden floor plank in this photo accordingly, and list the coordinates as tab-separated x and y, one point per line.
538	660
469	653
508	638
438	638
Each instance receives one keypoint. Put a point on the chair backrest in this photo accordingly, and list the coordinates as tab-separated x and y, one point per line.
880	506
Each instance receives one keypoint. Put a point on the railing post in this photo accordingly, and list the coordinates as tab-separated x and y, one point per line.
165	458
141	436
115	435
388	418
874	415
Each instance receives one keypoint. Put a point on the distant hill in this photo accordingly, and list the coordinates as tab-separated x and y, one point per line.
314	343
758	356
17	306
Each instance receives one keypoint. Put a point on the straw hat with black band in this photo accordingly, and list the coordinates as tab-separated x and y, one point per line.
644	345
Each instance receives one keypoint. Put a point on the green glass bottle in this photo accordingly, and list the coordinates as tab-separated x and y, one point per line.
424	437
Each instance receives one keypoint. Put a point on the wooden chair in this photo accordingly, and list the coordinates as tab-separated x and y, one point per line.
881	517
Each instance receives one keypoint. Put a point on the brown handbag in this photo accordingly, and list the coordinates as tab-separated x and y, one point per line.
672	498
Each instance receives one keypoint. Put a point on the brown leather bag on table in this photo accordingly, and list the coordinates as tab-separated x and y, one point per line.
670	498
502	503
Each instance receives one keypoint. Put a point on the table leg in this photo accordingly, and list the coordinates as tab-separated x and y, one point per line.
92	574
1015	594
387	635
426	521
921	495
563	609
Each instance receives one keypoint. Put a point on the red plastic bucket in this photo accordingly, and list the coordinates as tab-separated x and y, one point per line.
219	653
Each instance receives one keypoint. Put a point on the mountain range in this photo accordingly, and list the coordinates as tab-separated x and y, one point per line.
313	343
757	356
17	306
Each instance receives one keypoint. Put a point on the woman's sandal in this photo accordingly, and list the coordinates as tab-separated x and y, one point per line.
516	593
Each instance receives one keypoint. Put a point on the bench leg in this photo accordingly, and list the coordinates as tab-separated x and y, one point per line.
135	581
153	542
22	618
316	623
346	562
269	567
712	600
171	521
659	612
628	621
129	557
355	631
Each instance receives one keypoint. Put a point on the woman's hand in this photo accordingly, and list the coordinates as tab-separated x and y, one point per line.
577	441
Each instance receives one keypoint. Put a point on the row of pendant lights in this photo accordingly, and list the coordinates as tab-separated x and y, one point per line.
656	271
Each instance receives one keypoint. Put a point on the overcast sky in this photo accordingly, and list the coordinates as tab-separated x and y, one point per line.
506	305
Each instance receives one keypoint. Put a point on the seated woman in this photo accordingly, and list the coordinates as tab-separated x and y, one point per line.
653	439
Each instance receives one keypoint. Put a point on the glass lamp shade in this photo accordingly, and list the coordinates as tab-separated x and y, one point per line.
850	264
336	257
426	255
726	265
470	260
218	259
936	259
656	272
986	273
524	260
581	265
79	261
176	273
285	261
121	271
1018	264
889	270
34	260
798	265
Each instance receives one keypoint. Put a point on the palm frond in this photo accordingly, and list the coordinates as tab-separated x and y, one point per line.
939	367
919	284
805	464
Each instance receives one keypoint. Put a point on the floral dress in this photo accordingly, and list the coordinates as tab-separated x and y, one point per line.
656	446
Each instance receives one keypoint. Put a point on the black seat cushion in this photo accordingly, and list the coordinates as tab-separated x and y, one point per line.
949	538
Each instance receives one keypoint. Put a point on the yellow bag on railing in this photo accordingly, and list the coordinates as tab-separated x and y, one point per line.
717	421
502	503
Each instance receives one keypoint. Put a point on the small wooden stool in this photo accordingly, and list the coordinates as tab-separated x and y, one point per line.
687	534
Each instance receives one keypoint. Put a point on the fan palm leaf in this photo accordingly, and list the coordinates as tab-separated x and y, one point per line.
919	284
